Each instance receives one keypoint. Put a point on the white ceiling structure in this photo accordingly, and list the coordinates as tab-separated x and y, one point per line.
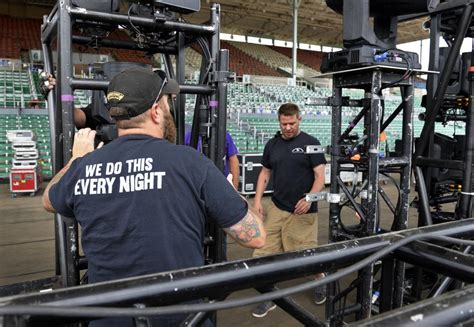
317	24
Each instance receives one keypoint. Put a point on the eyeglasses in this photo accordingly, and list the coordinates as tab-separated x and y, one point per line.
163	77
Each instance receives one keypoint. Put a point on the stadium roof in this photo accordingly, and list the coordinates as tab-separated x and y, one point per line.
273	19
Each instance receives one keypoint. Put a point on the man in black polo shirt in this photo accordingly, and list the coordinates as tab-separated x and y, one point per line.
291	222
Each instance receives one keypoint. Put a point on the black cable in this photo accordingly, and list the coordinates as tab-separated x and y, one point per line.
100	312
131	23
409	68
348	204
404	76
140	36
206	53
397	207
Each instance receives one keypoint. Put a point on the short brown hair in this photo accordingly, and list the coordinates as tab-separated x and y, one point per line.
133	122
288	109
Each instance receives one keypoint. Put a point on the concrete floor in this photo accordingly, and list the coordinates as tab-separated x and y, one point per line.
27	253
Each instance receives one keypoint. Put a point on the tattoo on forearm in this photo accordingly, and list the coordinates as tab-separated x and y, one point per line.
246	230
56	178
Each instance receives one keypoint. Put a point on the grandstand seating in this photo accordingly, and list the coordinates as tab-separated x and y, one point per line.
251	107
270	57
252	111
193	58
16	89
248	99
125	55
16	34
253	120
309	58
242	63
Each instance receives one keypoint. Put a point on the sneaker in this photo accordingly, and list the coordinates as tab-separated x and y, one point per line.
263	309
320	294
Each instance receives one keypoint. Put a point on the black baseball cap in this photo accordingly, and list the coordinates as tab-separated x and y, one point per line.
137	89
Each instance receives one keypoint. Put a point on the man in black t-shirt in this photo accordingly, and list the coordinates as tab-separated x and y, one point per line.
142	202
291	222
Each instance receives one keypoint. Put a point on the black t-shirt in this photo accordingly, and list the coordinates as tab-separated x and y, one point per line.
142	203
292	169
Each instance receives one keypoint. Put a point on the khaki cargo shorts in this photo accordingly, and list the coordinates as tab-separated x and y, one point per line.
288	232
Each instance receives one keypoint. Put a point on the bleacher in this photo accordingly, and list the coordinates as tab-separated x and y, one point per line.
242	63
272	58
309	58
253	120
16	89
251	107
15	35
122	54
193	59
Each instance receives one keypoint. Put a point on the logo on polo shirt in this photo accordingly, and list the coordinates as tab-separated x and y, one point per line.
297	150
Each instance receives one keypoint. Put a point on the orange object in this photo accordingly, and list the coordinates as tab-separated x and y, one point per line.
383	136
356	157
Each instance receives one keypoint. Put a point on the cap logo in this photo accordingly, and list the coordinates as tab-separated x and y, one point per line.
114	95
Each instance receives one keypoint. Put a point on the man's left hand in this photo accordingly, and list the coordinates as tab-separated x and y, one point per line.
84	143
302	207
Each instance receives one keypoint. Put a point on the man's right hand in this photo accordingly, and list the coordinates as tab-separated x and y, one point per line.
258	208
84	143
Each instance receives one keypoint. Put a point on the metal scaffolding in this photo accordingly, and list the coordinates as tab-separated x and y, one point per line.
210	110
365	201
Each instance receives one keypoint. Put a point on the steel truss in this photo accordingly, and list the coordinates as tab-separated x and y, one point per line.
372	80
453	20
218	281
446	310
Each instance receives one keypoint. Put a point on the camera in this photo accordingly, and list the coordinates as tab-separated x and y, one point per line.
97	115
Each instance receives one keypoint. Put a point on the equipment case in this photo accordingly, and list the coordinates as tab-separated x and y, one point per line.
250	167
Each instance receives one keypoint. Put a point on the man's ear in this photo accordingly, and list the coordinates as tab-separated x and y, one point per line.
155	113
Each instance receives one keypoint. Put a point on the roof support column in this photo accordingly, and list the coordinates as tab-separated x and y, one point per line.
296	4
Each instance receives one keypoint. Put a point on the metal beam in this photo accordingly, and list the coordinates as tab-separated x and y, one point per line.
446	310
448	262
141	21
215	280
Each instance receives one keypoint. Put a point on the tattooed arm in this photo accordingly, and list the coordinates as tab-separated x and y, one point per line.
83	144
249	231
46	201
